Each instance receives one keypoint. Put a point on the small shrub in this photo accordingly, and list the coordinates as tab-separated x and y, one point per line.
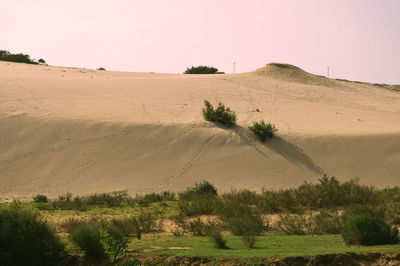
40	198
392	213
115	243
199	189
263	130
293	224
198	205
244	196
88	239
216	237
72	224
25	239
221	114
198	228
101	68
240	219
249	240
375	210
124	225
113	199
367	230
145	222
201	70
326	223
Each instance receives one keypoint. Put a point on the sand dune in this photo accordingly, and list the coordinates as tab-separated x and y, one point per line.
85	131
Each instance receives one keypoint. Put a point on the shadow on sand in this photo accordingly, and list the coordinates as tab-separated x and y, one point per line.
279	145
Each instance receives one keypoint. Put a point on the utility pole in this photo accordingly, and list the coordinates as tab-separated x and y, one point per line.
327	74
234	63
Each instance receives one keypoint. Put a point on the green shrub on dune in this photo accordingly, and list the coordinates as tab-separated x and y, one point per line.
221	114
263	130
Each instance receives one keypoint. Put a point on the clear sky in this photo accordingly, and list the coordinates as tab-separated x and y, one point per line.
358	39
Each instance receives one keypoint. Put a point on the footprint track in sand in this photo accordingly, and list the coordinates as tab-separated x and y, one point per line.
164	184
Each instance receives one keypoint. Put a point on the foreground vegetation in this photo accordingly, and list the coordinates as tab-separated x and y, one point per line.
114	228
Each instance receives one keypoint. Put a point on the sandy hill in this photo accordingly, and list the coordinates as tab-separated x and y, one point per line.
85	131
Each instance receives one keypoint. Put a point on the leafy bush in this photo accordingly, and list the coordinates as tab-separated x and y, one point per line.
216	237
201	70
40	198
20	58
113	199
115	243
156	197
244	196
326	222
249	240
101	68
25	239
373	210
263	130
293	224
367	230
198	228
240	219
199	189
198	205
145	222
221	114
71	224
88	239
392	213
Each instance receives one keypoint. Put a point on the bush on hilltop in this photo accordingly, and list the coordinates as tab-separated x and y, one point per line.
201	70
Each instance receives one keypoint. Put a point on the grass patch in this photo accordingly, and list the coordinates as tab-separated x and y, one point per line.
275	246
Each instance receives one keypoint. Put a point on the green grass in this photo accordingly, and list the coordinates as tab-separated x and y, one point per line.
274	246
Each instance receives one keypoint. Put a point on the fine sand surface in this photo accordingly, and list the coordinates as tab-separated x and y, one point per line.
85	131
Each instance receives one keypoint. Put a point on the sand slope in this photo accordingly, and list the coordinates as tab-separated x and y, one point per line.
85	131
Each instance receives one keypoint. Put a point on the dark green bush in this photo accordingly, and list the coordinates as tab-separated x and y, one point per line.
249	240
199	189
115	243
221	114
367	230
101	68
40	198
201	70
88	239
25	239
19	58
240	219
263	130
373	210
216	237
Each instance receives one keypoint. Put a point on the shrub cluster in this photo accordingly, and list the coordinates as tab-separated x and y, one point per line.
221	114
19	58
201	70
263	130
25	239
367	230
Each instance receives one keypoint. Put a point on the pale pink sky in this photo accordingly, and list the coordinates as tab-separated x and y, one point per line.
358	39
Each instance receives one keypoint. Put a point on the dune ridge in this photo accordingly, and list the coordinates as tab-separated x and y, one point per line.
85	131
